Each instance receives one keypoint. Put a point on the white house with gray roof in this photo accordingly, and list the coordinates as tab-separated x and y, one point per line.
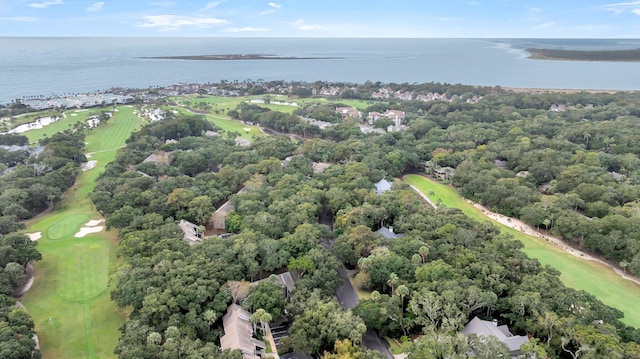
478	326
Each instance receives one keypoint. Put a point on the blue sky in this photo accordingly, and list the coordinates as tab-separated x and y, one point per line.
323	18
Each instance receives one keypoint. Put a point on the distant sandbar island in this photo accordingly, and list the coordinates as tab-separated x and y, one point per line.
579	55
236	57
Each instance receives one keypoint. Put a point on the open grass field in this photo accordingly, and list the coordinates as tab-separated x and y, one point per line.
64	123
232	125
577	273
69	300
226	123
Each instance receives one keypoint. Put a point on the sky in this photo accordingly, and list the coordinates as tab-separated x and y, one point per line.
323	18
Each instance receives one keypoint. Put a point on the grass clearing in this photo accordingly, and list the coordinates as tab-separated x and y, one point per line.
62	124
396	347
226	123
69	301
577	273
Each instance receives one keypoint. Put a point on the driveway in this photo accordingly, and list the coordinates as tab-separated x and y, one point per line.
347	296
348	299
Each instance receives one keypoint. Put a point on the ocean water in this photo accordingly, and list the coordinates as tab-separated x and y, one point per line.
33	66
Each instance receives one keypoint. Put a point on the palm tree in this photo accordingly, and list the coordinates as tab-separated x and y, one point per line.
263	317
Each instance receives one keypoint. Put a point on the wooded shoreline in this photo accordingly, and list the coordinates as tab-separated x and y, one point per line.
580	55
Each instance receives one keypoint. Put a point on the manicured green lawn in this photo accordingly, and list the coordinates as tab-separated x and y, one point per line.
65	123
228	124
69	300
577	273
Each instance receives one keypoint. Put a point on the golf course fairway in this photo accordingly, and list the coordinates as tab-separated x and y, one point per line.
69	300
577	273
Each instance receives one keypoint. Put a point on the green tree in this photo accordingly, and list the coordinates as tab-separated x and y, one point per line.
322	324
266	296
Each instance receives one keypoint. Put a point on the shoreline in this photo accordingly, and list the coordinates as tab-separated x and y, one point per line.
631	55
233	57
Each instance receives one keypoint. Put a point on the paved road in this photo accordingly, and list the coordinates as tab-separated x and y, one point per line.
348	299
347	296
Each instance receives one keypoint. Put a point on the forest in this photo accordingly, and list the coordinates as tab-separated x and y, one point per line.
427	284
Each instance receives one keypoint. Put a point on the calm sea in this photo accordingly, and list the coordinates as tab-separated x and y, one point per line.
51	66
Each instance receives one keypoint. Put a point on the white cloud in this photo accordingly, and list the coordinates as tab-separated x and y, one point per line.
300	25
212	5
621	7
546	25
95	7
247	29
636	11
45	4
273	6
19	19
176	22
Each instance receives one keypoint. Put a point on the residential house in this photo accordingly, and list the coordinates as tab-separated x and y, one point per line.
478	326
349	112
617	176
159	158
373	117
238	333
219	217
500	163
382	186
319	167
243	142
369	129
444	173
321	124
558	108
286	280
394	115
388	233
190	231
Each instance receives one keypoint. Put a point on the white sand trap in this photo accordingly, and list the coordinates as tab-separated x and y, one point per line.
88	165
34	236
115	110
74	114
247	129
88	230
94	222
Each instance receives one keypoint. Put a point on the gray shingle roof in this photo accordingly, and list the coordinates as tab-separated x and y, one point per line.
478	326
238	332
382	186
387	233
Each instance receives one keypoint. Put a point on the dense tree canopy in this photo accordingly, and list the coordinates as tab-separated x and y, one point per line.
557	170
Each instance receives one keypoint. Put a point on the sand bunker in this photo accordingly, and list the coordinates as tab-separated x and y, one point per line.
90	227
34	236
88	230
88	165
94	222
247	129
